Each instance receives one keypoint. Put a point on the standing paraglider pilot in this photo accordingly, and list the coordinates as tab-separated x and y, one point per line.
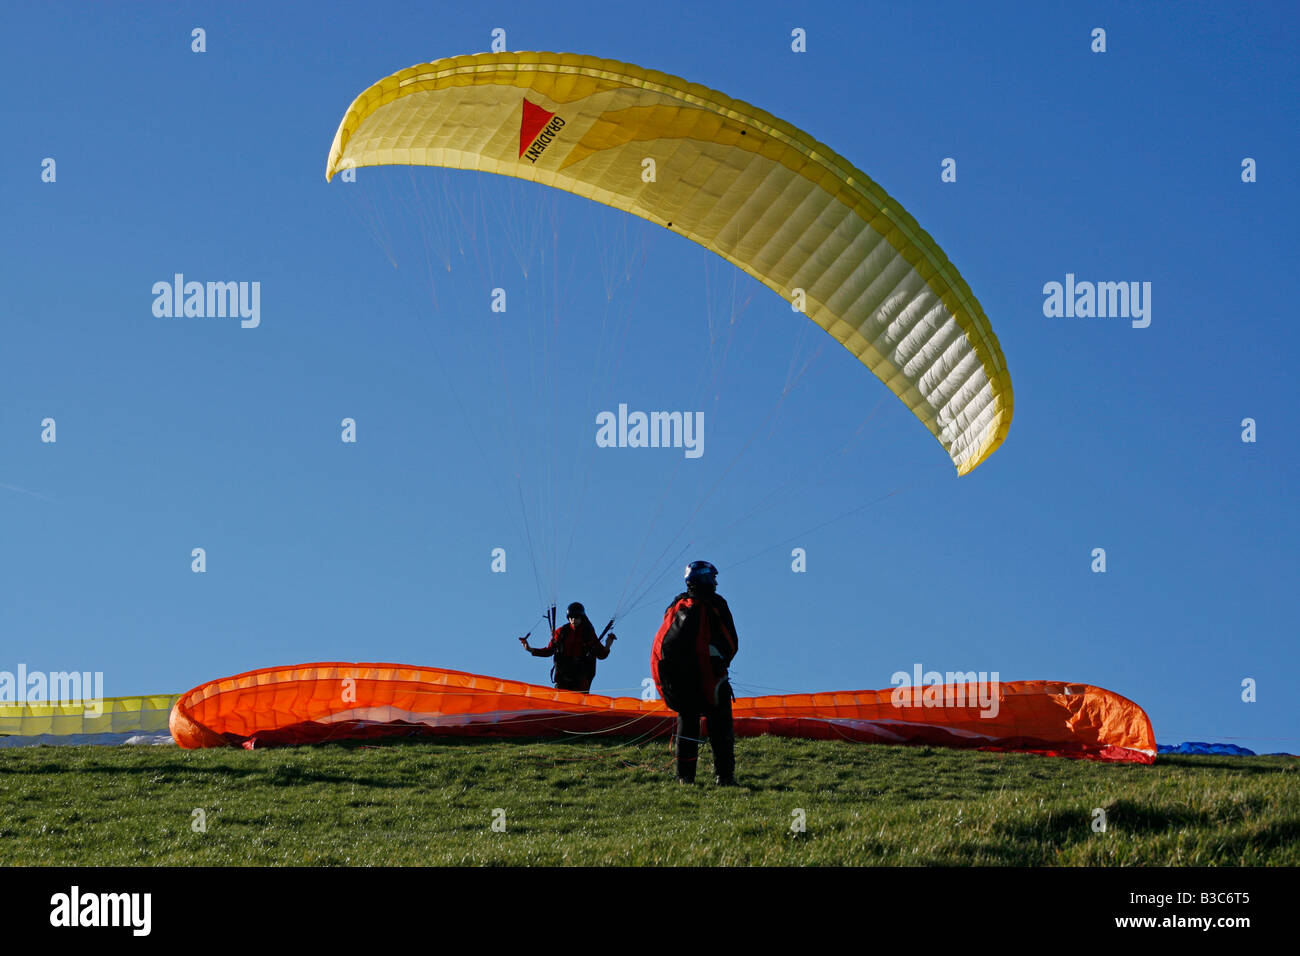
576	648
692	651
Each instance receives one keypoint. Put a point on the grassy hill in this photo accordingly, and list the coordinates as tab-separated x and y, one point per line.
608	803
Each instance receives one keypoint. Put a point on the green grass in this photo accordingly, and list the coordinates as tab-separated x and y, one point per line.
617	804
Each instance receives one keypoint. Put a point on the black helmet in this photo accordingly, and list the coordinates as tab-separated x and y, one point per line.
577	610
701	574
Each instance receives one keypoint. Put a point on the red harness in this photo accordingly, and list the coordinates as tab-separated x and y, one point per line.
708	680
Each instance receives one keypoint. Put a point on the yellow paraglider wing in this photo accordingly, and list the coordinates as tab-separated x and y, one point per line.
92	720
740	182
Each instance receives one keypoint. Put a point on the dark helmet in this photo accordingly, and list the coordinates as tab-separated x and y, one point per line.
701	574
577	610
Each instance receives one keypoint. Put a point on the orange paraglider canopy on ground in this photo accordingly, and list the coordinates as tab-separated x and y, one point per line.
313	703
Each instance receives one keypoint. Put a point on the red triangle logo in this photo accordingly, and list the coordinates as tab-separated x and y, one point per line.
535	118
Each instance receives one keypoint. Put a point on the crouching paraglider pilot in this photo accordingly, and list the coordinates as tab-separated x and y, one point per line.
689	661
575	648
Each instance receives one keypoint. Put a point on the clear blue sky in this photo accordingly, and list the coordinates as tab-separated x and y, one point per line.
177	434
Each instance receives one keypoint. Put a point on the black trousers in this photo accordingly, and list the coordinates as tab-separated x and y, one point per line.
573	677
719	730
